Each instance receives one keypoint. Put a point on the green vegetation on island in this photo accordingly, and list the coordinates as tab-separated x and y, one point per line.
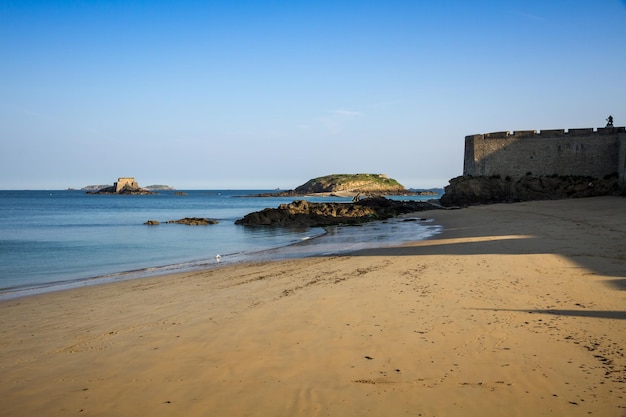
352	183
348	185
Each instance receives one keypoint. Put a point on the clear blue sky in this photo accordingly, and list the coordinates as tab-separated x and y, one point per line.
265	94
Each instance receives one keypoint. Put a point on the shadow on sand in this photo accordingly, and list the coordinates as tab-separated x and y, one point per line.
598	314
592	241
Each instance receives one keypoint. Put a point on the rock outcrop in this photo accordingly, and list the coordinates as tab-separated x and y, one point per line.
194	221
357	183
347	185
308	214
468	190
189	221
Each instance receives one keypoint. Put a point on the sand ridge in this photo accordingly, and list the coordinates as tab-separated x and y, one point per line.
513	310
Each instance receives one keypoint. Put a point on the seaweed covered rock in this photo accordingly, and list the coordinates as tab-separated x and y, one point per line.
194	221
469	190
305	213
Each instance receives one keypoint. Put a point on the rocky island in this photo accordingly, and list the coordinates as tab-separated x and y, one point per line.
124	186
95	187
369	203
159	187
347	185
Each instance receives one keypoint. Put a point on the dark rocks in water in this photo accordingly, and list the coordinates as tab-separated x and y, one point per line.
194	221
190	221
469	190
287	193
126	190
308	214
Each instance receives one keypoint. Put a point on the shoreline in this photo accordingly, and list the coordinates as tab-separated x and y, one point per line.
513	309
295	249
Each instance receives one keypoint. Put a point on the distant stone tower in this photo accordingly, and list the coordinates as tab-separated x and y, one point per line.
128	182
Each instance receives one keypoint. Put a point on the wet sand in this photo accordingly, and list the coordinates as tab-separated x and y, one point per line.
513	310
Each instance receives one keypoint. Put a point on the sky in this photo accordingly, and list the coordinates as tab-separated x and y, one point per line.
269	94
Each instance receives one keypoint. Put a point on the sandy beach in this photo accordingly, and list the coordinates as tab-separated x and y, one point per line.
515	309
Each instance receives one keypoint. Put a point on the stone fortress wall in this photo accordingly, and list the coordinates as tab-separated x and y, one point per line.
580	152
125	181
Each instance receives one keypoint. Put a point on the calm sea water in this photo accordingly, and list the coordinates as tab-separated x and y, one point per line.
57	239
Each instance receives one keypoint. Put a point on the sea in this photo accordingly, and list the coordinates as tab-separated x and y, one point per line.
58	239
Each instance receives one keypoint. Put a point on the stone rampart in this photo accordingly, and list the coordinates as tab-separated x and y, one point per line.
581	152
125	182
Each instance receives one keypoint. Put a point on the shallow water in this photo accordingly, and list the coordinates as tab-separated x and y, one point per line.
56	239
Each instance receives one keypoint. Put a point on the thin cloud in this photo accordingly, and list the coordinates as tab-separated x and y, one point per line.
346	113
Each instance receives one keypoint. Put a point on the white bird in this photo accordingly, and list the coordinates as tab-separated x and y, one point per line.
217	258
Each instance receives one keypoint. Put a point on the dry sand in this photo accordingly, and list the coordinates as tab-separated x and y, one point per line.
516	310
